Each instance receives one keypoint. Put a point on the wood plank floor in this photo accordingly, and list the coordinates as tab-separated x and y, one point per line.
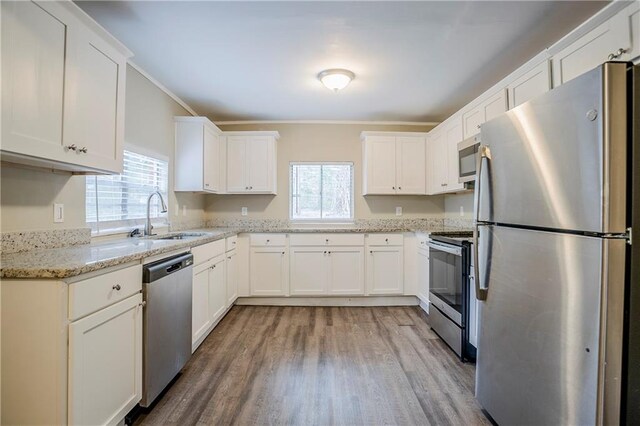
321	366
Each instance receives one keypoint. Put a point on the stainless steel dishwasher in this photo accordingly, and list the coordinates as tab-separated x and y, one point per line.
166	322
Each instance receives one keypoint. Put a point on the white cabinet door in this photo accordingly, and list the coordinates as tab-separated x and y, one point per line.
423	275
269	271
105	363
346	271
453	137
438	163
410	165
33	78
495	105
94	101
211	161
533	83
589	51
380	157
308	266
629	17
236	164
385	270
472	120
217	289
200	317
260	163
232	277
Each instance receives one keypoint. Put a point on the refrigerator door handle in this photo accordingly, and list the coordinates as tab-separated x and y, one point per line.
481	292
484	152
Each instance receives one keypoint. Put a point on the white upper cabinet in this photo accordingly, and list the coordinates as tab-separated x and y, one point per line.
394	163
442	157
453	133
63	89
533	83
612	40
486	110
251	162
198	161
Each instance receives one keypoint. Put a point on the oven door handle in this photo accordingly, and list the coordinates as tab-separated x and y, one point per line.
447	249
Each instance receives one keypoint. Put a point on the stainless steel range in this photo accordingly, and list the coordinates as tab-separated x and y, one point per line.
449	293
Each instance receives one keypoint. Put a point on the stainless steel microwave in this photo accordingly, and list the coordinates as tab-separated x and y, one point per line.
467	158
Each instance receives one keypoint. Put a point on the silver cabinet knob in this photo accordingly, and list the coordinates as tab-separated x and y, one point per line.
206	184
282	252
71	147
478	126
116	287
393	187
83	150
386	240
246	187
399	187
617	54
325	252
268	241
251	187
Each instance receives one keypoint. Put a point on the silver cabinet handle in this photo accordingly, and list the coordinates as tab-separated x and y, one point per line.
71	147
83	150
617	53
116	287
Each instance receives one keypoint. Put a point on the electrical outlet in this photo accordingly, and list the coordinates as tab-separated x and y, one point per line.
177	210
58	213
461	210
398	211
184	210
244	211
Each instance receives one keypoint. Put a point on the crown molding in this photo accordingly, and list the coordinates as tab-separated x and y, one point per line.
371	123
160	86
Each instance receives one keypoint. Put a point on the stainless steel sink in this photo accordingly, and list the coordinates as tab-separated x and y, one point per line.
179	236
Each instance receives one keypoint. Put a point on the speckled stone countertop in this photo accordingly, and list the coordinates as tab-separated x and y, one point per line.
79	259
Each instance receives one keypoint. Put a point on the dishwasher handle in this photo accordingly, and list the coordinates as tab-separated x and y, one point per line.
162	268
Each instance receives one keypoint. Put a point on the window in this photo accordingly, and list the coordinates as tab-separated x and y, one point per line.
119	201
321	191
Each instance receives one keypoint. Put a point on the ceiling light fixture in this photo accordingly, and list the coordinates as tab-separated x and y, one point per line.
336	79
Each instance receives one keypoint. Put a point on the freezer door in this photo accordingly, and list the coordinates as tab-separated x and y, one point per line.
559	161
540	352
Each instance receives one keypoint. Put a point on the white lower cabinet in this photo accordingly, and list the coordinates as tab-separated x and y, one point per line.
346	271
200	317
217	289
269	271
231	270
105	363
423	275
209	298
73	353
385	270
319	271
309	271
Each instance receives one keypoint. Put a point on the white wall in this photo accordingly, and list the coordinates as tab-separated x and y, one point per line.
27	196
322	142
455	202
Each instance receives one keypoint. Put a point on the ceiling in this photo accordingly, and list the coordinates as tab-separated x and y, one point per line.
414	61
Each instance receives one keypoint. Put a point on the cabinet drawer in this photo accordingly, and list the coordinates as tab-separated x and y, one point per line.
98	292
385	239
207	251
268	240
231	242
326	240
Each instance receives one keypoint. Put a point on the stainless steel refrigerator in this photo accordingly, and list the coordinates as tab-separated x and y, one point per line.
554	214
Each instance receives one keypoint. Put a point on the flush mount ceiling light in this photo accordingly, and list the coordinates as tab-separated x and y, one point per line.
336	78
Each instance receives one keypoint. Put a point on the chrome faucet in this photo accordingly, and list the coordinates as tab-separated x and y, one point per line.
148	227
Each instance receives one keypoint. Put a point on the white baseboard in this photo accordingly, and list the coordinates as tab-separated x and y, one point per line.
330	301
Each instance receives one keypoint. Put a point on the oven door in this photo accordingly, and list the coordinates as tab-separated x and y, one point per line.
445	279
467	158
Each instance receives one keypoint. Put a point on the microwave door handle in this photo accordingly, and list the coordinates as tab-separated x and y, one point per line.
481	292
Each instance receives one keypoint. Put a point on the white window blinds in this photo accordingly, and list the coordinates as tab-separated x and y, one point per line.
121	200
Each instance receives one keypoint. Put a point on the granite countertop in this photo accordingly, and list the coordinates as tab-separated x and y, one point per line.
79	259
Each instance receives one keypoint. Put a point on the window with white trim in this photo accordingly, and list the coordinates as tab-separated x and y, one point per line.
321	191
120	201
